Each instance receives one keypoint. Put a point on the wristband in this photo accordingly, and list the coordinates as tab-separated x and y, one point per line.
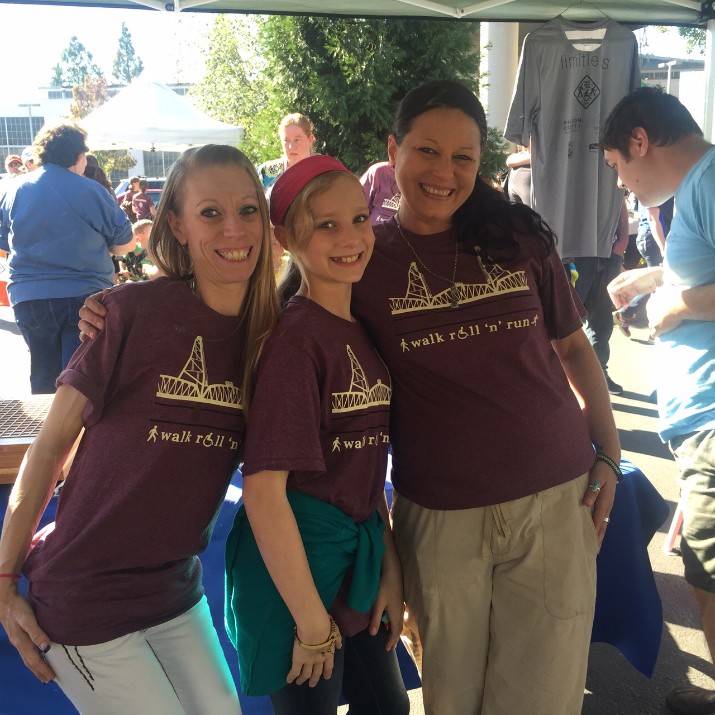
603	457
9	575
328	646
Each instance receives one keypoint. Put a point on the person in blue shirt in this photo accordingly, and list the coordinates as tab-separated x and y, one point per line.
658	150
59	229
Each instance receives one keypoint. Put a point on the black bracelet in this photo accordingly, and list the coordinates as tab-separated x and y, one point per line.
603	457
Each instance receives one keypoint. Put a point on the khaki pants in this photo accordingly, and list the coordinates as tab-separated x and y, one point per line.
501	599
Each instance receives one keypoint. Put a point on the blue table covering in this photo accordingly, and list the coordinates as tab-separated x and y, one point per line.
628	609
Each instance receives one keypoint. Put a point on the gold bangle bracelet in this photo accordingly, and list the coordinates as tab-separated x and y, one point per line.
328	645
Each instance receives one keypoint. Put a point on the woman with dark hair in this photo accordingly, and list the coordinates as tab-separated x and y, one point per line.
504	477
95	172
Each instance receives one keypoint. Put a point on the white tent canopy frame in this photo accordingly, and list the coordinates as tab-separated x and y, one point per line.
149	115
652	12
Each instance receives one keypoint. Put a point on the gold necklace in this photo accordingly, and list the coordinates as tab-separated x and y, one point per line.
454	290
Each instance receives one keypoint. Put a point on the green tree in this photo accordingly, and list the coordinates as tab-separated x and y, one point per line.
494	155
76	63
86	97
347	75
89	95
126	64
694	37
233	89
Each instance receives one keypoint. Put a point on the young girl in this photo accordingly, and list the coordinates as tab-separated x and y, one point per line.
116	605
312	567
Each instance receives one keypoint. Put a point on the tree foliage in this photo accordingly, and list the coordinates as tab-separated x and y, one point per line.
494	155
347	75
234	89
88	95
76	63
694	37
126	64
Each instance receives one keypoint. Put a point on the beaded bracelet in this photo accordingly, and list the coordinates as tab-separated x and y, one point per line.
603	457
327	646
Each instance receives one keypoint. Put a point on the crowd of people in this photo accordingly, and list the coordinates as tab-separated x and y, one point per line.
417	306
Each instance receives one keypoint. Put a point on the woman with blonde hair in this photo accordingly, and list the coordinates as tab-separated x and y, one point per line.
314	587
115	610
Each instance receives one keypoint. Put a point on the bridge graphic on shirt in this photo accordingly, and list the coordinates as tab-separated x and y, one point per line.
419	296
361	394
392	203
192	384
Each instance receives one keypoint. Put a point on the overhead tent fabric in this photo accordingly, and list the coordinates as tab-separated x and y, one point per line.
149	115
642	12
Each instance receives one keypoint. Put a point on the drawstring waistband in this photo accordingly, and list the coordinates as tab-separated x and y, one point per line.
495	517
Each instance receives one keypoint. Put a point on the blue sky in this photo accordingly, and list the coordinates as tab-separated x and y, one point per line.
168	43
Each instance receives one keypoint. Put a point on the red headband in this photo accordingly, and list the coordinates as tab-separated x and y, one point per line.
294	179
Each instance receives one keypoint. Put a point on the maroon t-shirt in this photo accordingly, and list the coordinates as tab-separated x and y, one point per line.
142	204
164	428
320	409
482	411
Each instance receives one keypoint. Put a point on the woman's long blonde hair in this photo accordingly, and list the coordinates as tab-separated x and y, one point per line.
259	311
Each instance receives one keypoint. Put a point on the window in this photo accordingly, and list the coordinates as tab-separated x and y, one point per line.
157	163
16	131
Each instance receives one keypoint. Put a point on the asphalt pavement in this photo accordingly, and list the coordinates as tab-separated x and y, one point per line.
614	687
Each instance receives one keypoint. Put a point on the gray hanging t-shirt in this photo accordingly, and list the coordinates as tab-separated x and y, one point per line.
571	75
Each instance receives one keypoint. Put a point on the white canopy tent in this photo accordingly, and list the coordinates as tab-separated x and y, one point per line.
149	115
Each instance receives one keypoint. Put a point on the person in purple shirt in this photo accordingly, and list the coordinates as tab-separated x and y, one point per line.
381	191
116	612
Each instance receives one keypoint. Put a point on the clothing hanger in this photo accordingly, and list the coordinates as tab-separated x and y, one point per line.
581	5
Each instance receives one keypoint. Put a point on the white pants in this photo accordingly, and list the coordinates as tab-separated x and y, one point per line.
176	668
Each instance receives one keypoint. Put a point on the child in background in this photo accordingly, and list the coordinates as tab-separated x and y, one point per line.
297	139
125	199
142	203
137	265
314	585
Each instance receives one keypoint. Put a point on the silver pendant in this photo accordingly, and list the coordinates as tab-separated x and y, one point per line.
454	296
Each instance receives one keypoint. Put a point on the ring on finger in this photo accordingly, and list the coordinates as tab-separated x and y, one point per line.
595	486
606	519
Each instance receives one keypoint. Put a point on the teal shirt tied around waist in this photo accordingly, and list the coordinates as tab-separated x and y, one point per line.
258	622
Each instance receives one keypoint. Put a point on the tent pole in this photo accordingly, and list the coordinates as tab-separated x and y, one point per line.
499	62
709	121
